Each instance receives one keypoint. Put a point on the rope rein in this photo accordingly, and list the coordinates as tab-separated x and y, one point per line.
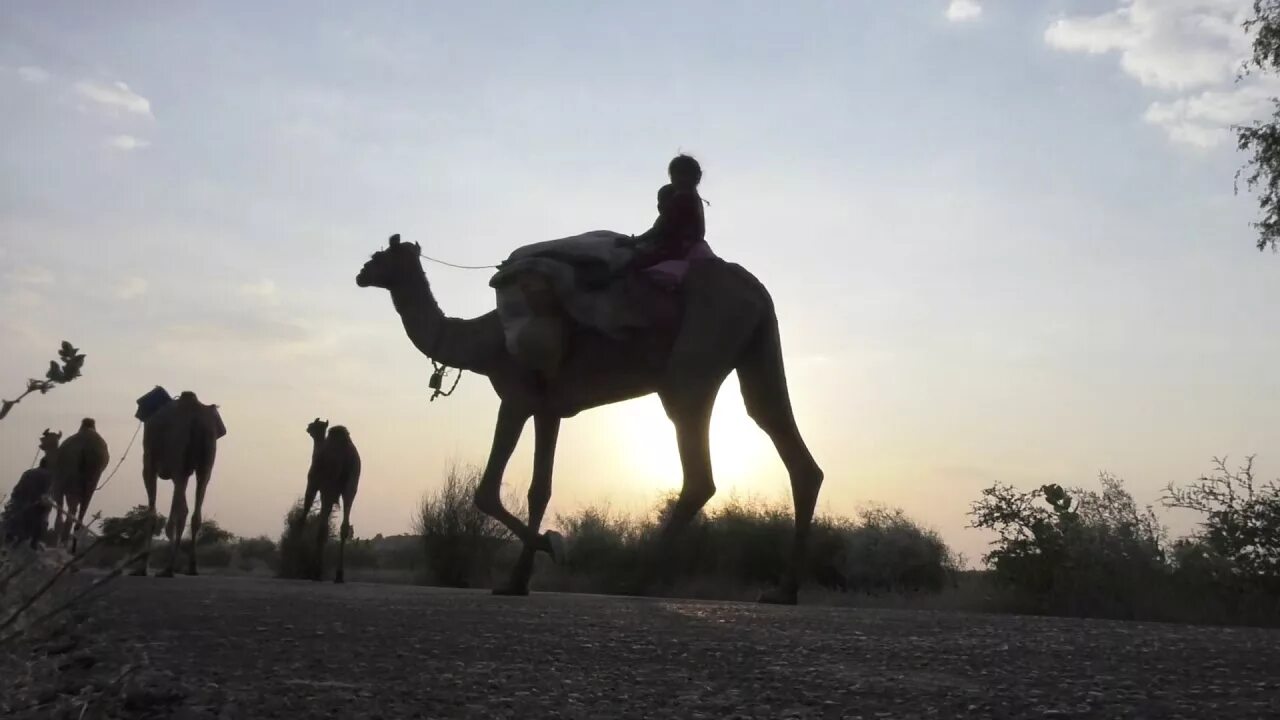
122	457
425	256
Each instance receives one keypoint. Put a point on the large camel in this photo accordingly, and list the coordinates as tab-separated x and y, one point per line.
77	466
179	440
728	324
335	474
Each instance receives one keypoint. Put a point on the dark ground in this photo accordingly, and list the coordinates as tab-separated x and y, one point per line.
221	647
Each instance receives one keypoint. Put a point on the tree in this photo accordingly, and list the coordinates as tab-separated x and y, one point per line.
1261	140
62	371
211	533
130	529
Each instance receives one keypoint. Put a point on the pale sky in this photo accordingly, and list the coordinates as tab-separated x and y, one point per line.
1001	235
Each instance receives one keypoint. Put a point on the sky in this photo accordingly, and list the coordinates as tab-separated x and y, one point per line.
1002	237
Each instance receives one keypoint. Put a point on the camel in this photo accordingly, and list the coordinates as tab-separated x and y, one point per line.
335	474
77	464
26	516
178	440
728	323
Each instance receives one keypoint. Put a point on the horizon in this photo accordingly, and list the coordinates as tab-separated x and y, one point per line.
1003	241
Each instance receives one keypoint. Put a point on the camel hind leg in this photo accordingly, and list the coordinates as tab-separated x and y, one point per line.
177	523
764	392
197	517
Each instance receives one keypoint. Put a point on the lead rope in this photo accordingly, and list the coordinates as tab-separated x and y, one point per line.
122	457
437	381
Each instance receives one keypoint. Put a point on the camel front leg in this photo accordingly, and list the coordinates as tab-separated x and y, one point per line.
197	518
149	482
178	523
546	430
489	492
343	533
322	535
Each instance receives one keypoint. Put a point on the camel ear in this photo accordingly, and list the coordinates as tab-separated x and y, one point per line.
395	240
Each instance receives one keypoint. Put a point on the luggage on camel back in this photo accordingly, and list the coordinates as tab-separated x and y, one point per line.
545	288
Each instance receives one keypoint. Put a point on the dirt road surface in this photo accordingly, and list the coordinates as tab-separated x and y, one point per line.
222	647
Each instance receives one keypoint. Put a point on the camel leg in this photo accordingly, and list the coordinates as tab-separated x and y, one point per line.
489	492
546	430
202	484
691	413
60	520
148	481
75	530
322	534
343	533
764	392
177	521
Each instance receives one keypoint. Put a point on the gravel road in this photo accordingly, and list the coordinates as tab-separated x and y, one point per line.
223	647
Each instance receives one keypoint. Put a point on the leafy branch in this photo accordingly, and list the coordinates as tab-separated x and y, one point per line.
61	371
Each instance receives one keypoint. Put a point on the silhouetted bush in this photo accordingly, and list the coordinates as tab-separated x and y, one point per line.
298	547
747	545
458	540
250	552
1076	552
130	530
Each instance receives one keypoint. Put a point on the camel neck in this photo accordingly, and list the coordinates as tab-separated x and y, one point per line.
449	341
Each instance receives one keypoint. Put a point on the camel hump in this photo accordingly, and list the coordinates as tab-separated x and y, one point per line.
88	424
340	432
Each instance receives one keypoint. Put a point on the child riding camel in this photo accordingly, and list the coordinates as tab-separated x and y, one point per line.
679	233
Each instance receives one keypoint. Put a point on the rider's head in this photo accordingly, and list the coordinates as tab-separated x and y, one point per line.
684	171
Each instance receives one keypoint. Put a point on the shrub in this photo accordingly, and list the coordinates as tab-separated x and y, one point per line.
459	541
299	543
130	529
1078	551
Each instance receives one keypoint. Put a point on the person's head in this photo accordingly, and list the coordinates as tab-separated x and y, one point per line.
684	171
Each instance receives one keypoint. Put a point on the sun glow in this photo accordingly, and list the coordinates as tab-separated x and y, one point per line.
743	460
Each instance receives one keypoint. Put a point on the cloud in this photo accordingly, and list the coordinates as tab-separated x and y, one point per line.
262	293
1190	51
130	288
114	97
30	275
1203	120
32	74
963	10
127	142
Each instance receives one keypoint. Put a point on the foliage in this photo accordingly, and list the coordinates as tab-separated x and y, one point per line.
211	533
300	543
130	529
1239	542
1261	140
61	371
746	544
1076	551
458	540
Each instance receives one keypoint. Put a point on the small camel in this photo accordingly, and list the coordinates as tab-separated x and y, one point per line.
26	517
335	474
728	323
178	440
77	464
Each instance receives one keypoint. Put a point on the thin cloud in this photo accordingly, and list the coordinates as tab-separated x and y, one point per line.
130	288
30	275
114	97
963	10
127	142
32	74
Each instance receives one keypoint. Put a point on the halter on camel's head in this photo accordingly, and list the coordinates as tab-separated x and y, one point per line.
385	265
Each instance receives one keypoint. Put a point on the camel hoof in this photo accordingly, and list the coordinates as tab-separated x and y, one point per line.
339	581
778	596
140	572
511	591
192	572
555	541
166	573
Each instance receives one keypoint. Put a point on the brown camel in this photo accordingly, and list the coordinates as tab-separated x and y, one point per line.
178	440
728	323
335	474
77	464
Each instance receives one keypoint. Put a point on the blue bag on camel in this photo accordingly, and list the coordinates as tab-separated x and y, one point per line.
151	403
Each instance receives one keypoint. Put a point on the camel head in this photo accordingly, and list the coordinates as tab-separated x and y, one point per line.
317	429
49	441
391	265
